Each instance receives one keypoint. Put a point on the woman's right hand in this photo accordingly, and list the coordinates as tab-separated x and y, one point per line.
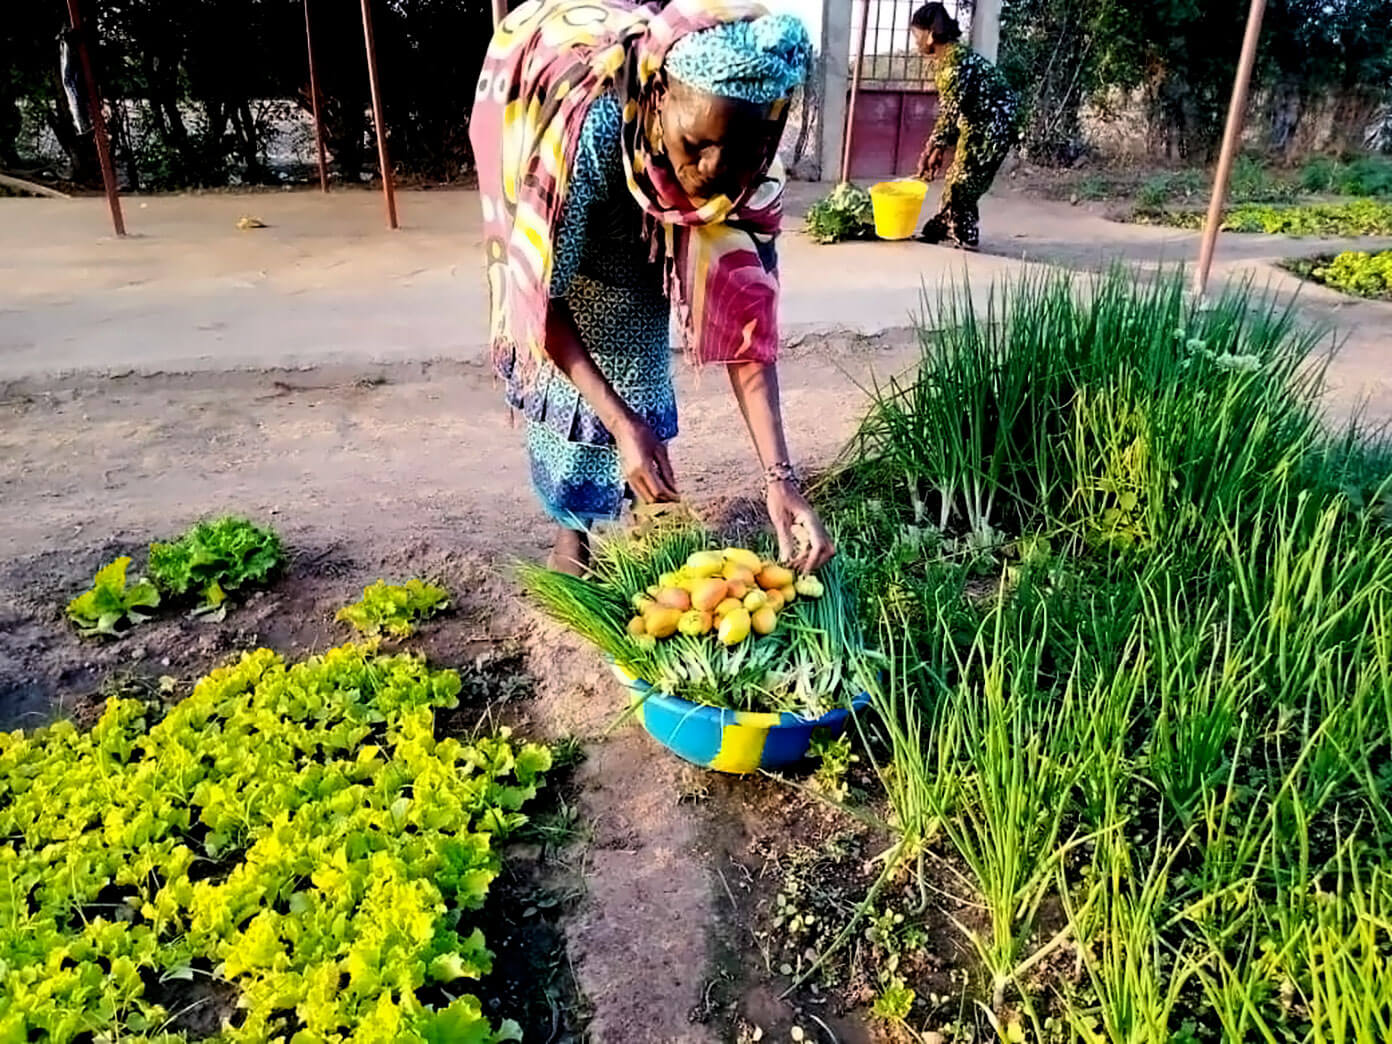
646	466
930	164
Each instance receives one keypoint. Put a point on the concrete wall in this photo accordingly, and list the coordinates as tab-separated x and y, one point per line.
835	26
985	28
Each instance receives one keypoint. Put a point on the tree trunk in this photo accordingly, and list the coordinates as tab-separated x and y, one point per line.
80	149
10	124
1287	107
123	146
244	123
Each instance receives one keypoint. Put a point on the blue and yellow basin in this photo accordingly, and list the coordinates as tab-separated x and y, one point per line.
729	740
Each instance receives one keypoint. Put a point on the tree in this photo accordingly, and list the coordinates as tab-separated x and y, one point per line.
1050	52
1181	55
1333	60
194	89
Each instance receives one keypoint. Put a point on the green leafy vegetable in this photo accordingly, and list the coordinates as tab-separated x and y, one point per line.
1358	217
297	830
895	1001
112	600
394	608
844	214
1355	272
216	557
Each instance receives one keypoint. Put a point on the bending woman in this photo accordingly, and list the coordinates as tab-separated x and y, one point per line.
626	164
977	113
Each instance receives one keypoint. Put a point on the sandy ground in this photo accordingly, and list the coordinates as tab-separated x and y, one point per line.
328	375
326	283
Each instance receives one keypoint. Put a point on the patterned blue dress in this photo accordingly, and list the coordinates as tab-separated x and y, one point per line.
604	272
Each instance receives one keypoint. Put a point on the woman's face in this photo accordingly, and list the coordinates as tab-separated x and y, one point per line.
923	40
716	145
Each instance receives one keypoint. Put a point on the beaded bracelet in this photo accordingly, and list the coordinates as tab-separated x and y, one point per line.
780	471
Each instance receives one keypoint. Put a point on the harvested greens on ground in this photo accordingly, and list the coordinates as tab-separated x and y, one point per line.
725	628
843	214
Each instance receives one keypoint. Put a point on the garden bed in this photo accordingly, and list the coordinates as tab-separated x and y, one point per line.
47	669
142	712
1137	601
1128	778
1320	179
1354	272
1359	217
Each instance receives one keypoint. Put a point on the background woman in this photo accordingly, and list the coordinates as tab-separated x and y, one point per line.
627	163
977	113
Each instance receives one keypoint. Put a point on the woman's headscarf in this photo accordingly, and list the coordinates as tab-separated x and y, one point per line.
548	61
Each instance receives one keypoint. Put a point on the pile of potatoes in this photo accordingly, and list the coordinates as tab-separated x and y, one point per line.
732	592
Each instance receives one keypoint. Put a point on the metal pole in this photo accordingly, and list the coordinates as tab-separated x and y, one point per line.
388	192
314	103
1231	135
500	10
855	91
94	104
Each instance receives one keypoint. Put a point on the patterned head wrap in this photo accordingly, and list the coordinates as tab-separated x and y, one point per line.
758	61
547	62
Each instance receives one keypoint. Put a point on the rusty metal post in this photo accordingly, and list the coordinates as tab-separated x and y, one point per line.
855	91
1232	134
388	190
500	10
314	104
94	105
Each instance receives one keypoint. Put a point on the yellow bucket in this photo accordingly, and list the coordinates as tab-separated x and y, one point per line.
896	205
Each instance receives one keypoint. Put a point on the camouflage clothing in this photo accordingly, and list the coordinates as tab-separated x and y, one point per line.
977	113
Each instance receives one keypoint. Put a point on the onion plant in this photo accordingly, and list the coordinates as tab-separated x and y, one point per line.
1157	694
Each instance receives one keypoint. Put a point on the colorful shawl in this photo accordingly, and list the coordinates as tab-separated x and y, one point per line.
548	61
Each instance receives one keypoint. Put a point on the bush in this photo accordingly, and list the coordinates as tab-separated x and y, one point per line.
1365	176
1368	176
1253	182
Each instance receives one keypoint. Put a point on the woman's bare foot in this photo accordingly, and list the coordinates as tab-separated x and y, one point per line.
571	552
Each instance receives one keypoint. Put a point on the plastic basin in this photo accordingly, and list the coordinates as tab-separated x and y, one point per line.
726	740
896	206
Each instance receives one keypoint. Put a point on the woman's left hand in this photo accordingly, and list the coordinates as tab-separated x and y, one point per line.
802	539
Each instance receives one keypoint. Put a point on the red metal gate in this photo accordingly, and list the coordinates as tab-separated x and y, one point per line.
897	102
